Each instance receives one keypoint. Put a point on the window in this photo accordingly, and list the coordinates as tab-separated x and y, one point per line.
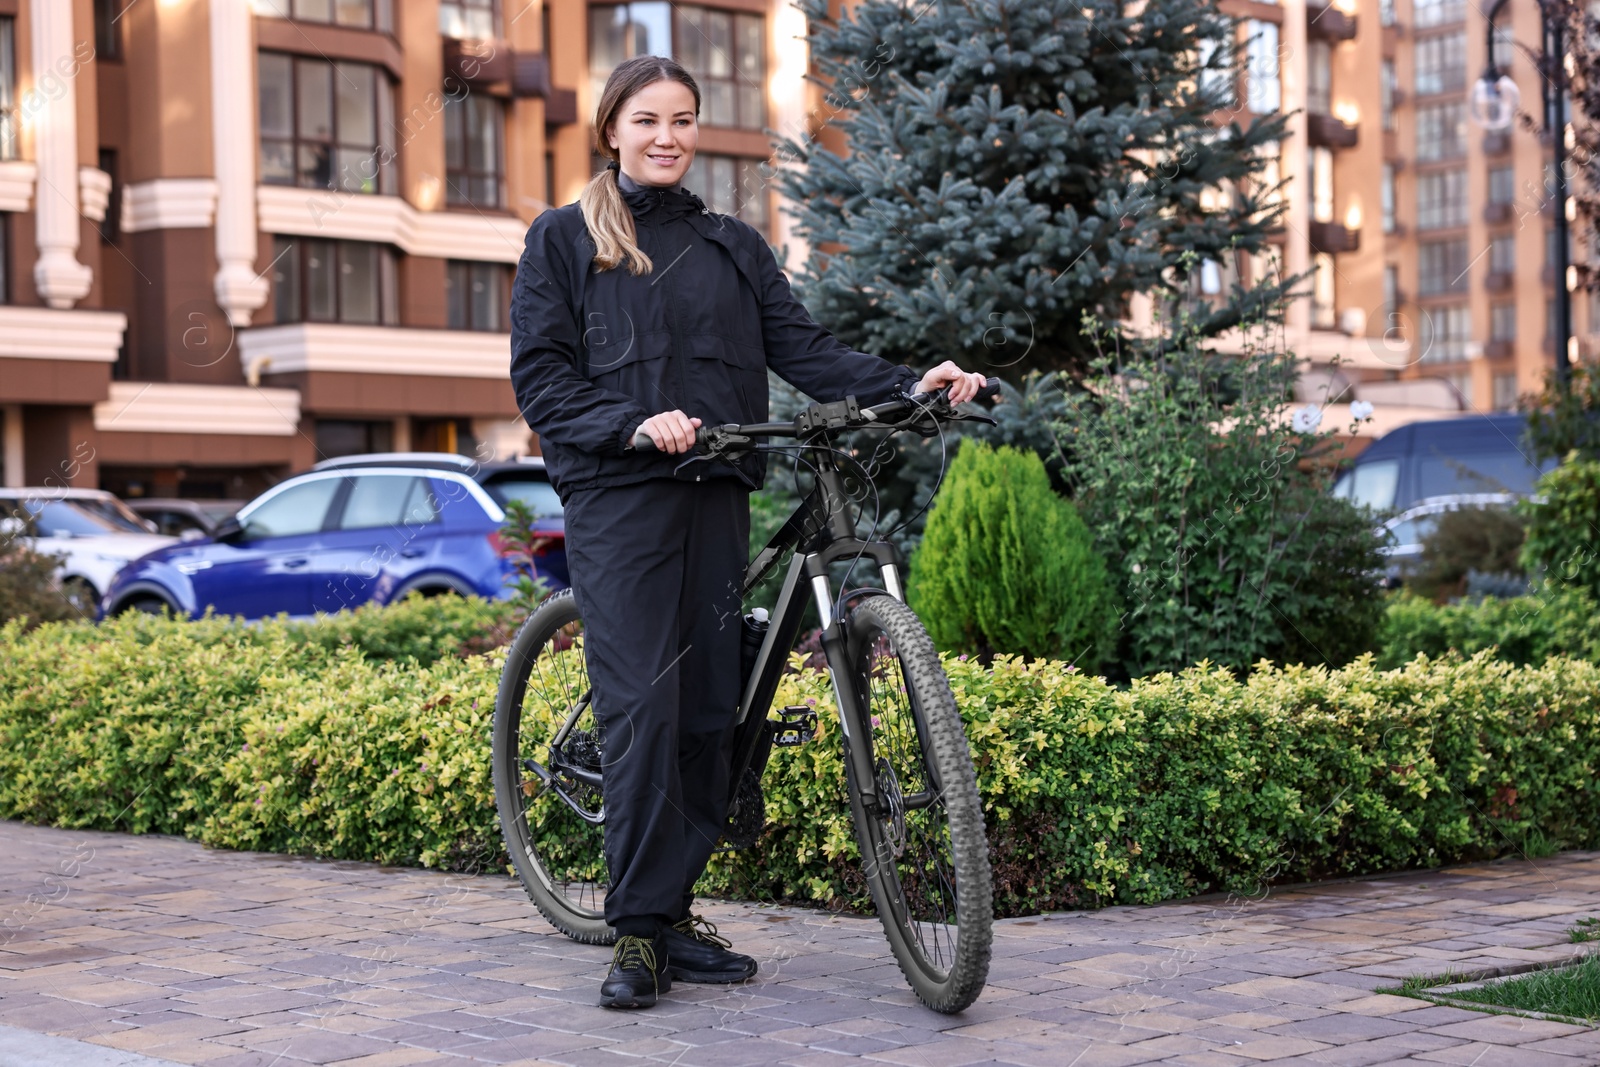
322	124
1503	322
1319	78
1386	12
351	437
395	500
334	281
1264	89
1386	195
1391	291
8	89
1438	12
1441	64
1442	199
731	185
473	158
1322	292
1442	267
472	20
362	14
298	510
1505	45
1503	254
1386	88
1502	186
1319	164
1445	333
477	295
1505	392
724	50
107	33
1215	78
1441	131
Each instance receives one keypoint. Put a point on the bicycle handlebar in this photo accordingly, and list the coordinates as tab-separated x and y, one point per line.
934	404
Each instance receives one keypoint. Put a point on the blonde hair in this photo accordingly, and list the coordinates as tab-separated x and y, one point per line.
604	211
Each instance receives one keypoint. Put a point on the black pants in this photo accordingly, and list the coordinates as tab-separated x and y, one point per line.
656	569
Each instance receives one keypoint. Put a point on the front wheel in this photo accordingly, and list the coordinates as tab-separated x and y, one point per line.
923	849
547	767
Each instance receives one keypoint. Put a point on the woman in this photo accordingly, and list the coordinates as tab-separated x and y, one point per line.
638	311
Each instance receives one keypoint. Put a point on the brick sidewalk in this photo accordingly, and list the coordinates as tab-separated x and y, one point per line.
160	947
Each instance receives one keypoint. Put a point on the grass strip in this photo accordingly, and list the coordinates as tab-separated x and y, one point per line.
1570	991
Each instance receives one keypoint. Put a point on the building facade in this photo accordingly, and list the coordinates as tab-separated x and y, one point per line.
237	236
243	235
1429	241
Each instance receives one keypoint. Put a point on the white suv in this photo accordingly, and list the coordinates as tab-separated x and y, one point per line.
91	532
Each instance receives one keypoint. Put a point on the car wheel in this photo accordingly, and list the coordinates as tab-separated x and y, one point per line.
146	605
81	595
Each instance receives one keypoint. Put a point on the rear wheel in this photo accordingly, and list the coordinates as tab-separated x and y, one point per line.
923	849
548	793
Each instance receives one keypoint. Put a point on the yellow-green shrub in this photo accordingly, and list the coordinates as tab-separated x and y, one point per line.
265	737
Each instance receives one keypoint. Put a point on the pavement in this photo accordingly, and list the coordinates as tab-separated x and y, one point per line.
147	951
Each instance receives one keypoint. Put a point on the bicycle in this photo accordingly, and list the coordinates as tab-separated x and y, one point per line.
913	792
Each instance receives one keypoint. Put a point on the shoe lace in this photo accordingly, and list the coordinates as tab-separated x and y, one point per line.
702	931
634	951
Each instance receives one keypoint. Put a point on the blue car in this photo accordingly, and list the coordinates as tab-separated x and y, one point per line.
351	531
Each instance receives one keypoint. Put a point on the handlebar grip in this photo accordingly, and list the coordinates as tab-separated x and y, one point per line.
643	442
990	390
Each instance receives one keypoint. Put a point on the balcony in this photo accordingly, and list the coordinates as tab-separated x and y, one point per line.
1333	237
1497	143
1495	214
1499	281
1328	23
1325	131
494	67
478	63
1500	349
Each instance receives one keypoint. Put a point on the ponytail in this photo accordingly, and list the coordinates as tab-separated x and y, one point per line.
604	211
611	224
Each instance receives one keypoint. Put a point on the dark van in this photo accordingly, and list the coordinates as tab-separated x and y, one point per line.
1449	457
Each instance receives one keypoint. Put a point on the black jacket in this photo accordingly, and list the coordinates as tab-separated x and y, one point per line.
595	353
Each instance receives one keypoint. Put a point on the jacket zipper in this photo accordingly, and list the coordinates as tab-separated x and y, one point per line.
677	339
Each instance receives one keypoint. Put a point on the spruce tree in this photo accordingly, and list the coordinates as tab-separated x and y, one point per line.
1015	164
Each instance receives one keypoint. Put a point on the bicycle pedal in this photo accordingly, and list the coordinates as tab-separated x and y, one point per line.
795	725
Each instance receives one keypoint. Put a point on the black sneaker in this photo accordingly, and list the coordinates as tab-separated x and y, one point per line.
638	973
700	955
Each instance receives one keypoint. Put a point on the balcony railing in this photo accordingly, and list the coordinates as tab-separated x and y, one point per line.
1498	213
481	64
1499	281
1329	23
1325	131
1334	237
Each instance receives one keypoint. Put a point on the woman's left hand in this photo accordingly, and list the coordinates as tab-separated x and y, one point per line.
964	385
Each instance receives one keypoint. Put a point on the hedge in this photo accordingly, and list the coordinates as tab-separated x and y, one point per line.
1521	630
295	738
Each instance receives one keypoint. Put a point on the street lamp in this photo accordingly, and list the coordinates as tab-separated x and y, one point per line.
1494	105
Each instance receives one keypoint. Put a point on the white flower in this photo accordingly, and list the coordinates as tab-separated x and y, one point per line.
1361	409
1307	419
1137	568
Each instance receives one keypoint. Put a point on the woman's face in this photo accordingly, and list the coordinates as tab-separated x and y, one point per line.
655	133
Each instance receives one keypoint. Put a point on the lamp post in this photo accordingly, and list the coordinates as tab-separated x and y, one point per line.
1494	106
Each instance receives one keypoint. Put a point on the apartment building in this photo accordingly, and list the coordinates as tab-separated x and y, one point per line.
242	235
1429	241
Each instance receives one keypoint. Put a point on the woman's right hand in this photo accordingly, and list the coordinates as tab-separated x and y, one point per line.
672	431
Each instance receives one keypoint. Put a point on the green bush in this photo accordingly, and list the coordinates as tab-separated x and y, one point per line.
1188	468
1520	630
1564	526
1006	565
256	737
28	587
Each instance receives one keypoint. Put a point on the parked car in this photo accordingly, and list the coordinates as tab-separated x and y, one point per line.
92	532
1450	457
351	531
188	520
1402	535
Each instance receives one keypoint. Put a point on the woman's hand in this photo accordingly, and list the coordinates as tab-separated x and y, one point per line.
672	431
964	385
